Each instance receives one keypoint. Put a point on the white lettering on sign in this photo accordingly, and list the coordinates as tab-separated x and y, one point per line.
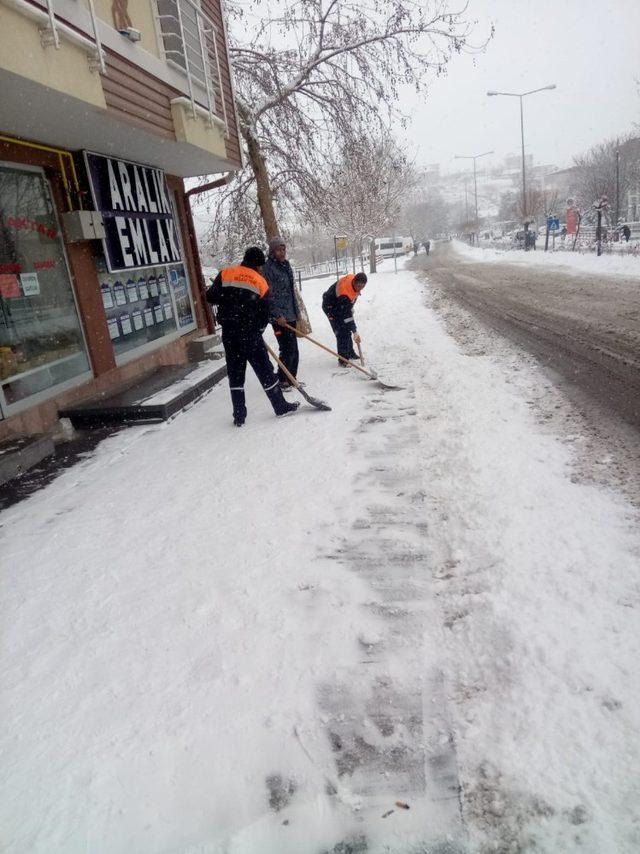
139	245
153	255
172	235
164	252
125	243
125	180
138	213
116	198
142	199
153	205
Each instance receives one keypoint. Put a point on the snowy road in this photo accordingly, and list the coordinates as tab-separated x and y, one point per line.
221	641
584	323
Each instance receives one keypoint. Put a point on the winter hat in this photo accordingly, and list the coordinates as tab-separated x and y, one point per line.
275	242
253	257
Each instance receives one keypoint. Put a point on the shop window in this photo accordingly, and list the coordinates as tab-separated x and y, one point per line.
145	305
41	341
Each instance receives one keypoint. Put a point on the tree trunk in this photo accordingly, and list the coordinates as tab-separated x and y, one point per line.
263	185
372	257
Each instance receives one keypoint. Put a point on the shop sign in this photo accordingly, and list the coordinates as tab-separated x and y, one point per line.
136	210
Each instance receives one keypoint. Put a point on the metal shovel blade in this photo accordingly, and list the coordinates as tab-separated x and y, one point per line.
319	404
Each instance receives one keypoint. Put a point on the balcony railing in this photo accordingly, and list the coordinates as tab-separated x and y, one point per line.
190	42
53	29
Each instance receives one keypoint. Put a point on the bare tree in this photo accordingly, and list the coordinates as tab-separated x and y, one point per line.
312	70
607	170
363	188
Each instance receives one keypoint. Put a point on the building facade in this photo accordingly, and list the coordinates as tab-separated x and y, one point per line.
105	107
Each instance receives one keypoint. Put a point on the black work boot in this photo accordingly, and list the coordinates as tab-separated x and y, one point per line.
280	405
239	408
291	407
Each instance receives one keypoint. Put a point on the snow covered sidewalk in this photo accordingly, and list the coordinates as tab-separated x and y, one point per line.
222	641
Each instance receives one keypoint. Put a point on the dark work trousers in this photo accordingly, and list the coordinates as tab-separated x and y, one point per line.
344	341
288	346
242	346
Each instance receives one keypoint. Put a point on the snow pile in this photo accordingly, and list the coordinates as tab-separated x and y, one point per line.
222	641
627	266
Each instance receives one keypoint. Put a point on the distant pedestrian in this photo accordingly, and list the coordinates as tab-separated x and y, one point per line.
282	307
427	246
241	294
415	248
626	232
337	303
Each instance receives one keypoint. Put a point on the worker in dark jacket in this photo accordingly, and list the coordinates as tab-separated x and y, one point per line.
241	295
337	304
282	307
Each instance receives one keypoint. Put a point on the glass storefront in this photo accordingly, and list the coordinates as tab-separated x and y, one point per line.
41	341
144	305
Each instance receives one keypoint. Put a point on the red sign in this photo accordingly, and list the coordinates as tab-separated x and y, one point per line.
572	221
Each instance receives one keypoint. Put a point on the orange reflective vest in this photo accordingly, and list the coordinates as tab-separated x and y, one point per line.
345	288
244	278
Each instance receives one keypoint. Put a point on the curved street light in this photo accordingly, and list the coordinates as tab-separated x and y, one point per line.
473	157
522	95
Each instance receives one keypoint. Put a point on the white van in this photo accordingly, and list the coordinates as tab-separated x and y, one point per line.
389	246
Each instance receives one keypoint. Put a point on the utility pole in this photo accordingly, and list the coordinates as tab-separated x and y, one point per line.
521	96
473	157
617	189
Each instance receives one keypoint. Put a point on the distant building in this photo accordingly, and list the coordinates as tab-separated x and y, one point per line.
563	181
513	162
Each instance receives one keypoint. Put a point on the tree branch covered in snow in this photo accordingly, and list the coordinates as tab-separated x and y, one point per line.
311	74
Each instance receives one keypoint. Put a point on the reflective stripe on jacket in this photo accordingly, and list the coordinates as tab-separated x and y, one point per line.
244	278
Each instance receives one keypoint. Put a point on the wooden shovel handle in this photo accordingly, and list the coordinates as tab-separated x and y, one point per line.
360	354
283	368
333	352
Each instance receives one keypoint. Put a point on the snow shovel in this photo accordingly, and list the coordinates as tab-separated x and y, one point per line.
369	373
360	354
319	404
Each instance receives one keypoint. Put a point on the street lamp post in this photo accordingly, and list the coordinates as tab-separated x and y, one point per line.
473	157
522	95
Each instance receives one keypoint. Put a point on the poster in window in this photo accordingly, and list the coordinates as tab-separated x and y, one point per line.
168	311
132	291
180	288
148	317
162	284
9	287
138	322
114	332
143	288
107	296
153	286
30	284
125	323
158	314
119	294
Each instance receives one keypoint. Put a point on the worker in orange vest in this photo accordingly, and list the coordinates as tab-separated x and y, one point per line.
337	304
241	294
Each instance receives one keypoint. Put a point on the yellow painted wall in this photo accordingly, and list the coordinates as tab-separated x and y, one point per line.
66	70
141	14
197	131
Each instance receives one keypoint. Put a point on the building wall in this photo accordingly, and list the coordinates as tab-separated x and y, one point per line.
65	70
133	94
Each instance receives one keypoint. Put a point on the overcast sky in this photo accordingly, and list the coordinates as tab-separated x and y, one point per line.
589	48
